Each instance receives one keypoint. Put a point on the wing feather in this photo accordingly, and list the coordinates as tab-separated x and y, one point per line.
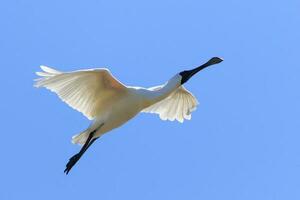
178	105
87	91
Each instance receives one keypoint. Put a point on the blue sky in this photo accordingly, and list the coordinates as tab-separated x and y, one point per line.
242	141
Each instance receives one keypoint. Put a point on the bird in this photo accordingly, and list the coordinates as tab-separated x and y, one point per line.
108	103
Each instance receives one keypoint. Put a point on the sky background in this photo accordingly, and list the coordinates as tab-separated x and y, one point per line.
241	144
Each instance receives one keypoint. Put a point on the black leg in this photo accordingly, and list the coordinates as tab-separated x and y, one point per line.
74	159
93	140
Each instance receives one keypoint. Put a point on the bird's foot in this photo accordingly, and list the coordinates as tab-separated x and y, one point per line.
72	161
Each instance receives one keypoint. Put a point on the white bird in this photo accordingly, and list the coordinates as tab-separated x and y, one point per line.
99	96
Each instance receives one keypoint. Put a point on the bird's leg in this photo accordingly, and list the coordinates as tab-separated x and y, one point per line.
74	159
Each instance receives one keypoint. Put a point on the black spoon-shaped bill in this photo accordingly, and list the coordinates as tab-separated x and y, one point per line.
187	74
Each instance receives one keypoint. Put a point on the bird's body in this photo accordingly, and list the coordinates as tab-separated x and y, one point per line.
130	103
110	103
118	111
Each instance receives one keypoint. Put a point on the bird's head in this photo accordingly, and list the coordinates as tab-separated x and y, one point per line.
187	74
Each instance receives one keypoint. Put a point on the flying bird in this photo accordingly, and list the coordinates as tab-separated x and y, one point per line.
99	96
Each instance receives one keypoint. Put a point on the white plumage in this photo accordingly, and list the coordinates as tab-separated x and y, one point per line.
87	91
102	98
178	105
95	93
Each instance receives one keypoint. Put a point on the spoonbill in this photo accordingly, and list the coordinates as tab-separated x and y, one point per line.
99	96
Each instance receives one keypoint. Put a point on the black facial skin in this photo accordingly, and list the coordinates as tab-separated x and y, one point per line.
187	74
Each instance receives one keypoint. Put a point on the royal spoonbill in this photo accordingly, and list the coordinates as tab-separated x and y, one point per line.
99	96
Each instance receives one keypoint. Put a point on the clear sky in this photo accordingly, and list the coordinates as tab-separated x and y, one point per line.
241	144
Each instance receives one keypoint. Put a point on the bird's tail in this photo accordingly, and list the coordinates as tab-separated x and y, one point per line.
81	137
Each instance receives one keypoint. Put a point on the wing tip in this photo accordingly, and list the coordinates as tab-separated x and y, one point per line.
49	70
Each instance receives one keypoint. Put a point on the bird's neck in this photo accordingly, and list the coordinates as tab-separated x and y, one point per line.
161	93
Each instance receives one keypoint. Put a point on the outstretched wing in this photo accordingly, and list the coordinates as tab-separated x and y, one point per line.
178	105
87	91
